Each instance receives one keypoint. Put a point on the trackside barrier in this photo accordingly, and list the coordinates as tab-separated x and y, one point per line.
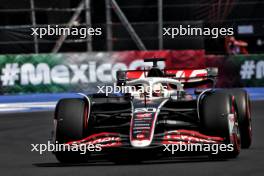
83	72
47	102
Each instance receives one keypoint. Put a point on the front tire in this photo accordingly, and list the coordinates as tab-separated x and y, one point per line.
71	117
217	108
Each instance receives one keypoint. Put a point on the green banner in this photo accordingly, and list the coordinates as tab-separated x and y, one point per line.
83	72
251	69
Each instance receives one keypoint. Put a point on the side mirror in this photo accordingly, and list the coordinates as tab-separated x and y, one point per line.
121	78
212	71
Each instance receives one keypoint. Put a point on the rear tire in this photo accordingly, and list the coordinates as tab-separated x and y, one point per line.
70	115
215	108
244	115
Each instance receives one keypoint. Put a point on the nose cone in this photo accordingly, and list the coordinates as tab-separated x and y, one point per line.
142	128
140	143
143	122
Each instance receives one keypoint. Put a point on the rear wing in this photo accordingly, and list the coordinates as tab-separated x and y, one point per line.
192	75
185	76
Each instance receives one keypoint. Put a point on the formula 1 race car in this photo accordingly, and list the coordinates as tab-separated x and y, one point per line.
158	109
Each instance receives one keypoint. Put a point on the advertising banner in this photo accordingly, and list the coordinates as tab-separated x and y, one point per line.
75	72
251	69
238	70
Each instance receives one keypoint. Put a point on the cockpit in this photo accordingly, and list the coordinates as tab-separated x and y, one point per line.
154	87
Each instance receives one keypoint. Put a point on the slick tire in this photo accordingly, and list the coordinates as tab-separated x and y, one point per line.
71	117
215	108
244	115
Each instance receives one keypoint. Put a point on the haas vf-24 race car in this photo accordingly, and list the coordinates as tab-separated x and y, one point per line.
159	109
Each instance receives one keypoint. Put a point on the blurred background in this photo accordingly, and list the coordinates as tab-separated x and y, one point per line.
37	72
145	17
131	31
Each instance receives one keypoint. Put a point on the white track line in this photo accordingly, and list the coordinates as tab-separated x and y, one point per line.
27	106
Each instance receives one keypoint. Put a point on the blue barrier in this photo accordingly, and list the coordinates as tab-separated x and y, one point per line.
43	97
32	102
45	101
256	93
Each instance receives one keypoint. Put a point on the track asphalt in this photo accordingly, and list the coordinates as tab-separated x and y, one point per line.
19	130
